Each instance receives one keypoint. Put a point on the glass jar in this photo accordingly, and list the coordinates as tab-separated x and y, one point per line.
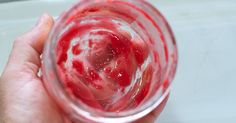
109	60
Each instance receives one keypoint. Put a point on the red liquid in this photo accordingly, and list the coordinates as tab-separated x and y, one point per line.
104	65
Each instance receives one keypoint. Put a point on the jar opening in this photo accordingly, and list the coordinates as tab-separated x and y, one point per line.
110	62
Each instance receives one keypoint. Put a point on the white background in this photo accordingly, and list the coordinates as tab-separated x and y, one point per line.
204	89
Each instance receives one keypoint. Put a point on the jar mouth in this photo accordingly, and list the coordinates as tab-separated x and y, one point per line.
86	112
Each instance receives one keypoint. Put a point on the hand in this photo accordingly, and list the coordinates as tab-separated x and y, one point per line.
23	98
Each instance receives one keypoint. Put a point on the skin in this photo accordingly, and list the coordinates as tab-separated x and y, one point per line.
23	98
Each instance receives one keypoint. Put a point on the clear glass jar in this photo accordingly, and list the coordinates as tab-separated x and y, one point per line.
109	60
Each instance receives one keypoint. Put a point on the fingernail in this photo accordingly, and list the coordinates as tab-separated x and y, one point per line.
41	19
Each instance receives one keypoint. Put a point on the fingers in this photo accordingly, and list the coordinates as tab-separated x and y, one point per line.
25	55
37	36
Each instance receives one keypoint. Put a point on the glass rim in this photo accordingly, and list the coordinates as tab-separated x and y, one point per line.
97	115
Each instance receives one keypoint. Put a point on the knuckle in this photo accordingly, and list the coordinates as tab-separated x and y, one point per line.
17	40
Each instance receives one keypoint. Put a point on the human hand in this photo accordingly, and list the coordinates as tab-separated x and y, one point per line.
23	98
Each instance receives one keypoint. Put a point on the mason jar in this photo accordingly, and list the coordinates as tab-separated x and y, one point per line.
109	61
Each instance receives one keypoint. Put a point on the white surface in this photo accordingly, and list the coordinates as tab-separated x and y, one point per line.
204	89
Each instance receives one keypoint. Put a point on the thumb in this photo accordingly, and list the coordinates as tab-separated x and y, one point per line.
25	55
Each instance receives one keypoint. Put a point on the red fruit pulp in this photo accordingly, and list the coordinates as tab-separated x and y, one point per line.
104	65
